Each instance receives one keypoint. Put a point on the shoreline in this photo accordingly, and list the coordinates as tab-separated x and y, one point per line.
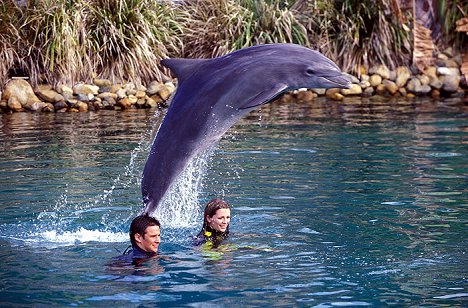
442	81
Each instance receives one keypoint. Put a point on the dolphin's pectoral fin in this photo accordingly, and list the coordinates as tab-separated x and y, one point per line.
265	96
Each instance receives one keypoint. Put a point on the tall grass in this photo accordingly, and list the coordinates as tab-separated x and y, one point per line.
355	33
9	39
65	41
217	27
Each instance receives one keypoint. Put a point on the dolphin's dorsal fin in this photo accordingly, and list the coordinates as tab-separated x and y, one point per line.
183	67
265	96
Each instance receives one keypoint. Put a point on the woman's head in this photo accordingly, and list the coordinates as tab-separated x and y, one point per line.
217	215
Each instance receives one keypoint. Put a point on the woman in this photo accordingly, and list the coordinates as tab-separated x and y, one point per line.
216	221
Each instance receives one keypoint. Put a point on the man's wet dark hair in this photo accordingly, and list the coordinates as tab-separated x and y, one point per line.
139	225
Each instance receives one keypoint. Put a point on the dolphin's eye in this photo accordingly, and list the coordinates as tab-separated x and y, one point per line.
310	71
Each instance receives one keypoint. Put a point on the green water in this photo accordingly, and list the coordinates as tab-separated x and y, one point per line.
334	204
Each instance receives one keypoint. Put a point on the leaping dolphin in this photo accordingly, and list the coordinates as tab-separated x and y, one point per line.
213	94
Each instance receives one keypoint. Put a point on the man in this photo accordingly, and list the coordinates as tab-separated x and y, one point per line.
145	236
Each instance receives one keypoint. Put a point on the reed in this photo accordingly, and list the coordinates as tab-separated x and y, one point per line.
217	27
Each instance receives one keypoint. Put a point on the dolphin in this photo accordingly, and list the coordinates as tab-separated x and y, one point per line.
213	94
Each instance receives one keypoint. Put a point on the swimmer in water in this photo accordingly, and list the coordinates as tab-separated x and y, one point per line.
145	236
216	221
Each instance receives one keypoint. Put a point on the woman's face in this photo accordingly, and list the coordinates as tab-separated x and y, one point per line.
220	220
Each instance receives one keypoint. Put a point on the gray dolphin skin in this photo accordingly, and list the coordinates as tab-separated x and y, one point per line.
213	94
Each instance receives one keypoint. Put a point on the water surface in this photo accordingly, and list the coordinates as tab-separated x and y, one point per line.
355	203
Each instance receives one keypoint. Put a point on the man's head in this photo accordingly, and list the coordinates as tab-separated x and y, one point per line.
145	233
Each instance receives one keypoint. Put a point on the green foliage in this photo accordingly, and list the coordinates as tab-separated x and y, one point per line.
356	33
217	27
76	40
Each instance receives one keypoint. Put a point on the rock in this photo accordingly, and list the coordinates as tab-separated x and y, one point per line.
451	63
108	102
81	106
415	86
380	89
369	91
35	106
153	88
121	93
365	77
151	103
319	91
354	90
305	96
170	86
442	57
448	71
450	83
86	89
424	79
375	80
114	88
65	91
14	104
364	84
21	90
98	105
381	70
431	72
49	107
60	105
337	96
85	97
104	95
102	82
435	93
436	83
124	103
390	86
402	91
331	92
140	103
165	92
403	73
49	95
140	94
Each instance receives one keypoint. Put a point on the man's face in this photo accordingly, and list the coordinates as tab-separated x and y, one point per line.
149	242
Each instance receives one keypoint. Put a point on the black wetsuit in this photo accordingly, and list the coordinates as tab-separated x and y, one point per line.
134	254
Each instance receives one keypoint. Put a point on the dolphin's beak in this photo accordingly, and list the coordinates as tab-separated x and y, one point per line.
340	81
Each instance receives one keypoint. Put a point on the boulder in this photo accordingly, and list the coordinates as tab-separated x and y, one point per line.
49	95
375	80
390	86
85	89
354	90
381	70
35	106
403	73
448	71
102	82
153	88
319	91
124	103
14	104
121	93
21	90
450	83
165	91
65	91
104	95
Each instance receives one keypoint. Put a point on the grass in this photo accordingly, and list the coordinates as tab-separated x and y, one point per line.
66	41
